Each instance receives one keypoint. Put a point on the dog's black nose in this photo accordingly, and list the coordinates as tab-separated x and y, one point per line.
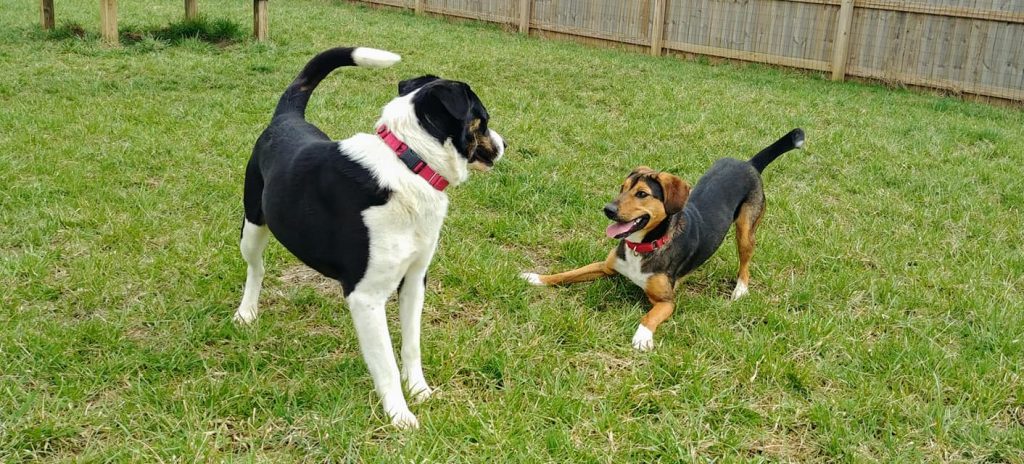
611	210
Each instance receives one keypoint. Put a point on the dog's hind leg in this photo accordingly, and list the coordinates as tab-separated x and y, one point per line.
410	311
255	236
254	241
586	273
750	214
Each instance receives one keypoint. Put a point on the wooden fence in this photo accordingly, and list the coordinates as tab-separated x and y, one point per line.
965	46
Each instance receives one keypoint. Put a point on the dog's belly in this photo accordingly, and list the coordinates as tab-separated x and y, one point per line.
630	267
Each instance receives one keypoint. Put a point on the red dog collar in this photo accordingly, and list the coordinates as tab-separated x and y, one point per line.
647	247
411	159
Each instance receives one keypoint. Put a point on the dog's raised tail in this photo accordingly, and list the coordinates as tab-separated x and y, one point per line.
296	96
794	139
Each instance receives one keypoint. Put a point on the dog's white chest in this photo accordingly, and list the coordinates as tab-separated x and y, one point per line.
630	267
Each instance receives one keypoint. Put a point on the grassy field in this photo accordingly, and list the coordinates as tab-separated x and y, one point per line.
884	322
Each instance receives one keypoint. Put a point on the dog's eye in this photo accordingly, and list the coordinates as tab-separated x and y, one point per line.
641	194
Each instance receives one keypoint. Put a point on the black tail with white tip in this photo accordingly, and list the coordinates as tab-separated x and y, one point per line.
296	96
794	139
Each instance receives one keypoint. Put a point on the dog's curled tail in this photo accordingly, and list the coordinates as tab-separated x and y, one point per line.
296	96
794	139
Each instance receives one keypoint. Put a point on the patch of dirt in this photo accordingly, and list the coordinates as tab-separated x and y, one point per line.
301	274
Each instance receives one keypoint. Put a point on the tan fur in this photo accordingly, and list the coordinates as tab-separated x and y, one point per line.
661	294
586	273
631	206
746	224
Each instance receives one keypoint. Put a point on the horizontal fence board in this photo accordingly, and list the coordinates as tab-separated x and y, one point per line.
969	46
397	3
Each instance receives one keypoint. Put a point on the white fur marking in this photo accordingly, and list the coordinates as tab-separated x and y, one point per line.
498	142
533	279
630	267
643	339
740	291
254	241
800	143
374	58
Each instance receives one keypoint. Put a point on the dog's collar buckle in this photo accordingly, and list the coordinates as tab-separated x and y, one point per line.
646	247
411	159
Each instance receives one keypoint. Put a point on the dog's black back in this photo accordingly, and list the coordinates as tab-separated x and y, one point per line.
293	165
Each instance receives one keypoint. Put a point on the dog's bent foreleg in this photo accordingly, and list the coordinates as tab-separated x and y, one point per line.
371	326
410	312
659	291
746	224
254	241
586	273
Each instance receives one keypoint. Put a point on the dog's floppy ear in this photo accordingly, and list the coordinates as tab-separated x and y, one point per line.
410	85
677	191
454	97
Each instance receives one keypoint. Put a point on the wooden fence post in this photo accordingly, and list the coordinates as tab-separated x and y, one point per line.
108	21
260	16
841	44
420	6
191	9
525	13
46	14
658	26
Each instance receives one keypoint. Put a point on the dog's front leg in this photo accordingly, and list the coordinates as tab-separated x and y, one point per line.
659	291
586	273
410	307
375	343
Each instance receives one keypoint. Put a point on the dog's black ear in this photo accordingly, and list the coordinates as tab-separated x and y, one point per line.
455	98
677	191
410	85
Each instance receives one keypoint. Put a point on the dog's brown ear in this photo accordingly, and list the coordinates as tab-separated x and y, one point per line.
677	191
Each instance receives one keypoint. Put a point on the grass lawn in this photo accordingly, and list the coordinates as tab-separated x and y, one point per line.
884	321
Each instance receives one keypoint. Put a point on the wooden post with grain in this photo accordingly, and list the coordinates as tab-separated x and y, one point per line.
525	12
259	20
46	14
658	26
420	6
841	44
108	21
191	9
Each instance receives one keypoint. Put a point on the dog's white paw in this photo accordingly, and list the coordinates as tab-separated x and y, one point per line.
643	339
245	314
740	291
404	419
420	393
533	279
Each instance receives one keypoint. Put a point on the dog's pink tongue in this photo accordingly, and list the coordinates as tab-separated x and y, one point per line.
618	228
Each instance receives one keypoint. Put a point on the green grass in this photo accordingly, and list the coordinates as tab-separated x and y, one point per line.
884	322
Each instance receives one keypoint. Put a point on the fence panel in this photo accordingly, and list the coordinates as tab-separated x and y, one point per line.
626	21
970	46
499	11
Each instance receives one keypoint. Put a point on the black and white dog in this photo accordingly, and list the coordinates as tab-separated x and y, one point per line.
367	210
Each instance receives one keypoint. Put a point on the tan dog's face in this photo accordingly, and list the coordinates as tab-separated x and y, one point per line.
646	198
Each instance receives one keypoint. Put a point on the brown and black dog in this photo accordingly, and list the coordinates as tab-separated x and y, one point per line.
666	230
